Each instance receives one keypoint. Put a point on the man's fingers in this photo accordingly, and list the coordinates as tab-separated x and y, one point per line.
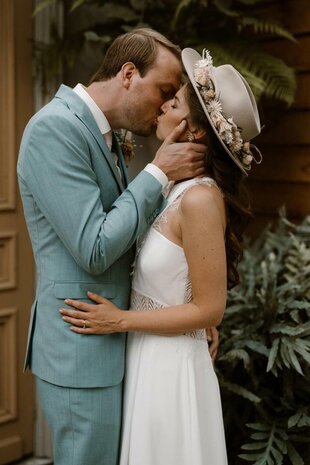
178	160
189	149
176	133
199	149
198	164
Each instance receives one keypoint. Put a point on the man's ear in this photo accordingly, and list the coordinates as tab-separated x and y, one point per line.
128	70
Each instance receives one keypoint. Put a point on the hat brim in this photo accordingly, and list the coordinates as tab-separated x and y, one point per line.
189	59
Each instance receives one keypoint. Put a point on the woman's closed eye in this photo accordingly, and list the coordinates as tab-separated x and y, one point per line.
173	103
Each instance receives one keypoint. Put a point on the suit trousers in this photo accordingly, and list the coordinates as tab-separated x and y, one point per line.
85	423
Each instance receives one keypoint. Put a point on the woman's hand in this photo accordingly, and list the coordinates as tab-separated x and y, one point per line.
100	318
213	340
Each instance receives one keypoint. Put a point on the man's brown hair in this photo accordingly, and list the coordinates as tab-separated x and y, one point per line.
138	46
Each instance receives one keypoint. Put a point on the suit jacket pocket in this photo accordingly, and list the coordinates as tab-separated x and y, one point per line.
78	290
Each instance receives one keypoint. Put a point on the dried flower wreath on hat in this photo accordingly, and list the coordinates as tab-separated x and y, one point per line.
228	103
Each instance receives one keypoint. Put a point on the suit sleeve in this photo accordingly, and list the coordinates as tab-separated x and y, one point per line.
57	170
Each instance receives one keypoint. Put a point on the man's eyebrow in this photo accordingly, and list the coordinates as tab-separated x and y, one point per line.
177	98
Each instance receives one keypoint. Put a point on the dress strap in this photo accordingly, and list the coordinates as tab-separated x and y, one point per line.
175	196
179	189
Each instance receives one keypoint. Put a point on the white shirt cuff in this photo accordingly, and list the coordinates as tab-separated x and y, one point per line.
157	173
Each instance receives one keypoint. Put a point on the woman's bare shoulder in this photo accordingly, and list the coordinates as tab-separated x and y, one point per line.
206	200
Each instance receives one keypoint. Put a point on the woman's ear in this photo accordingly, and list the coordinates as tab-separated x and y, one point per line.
198	133
127	72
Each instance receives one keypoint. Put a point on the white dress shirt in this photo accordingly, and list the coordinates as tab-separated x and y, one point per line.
105	129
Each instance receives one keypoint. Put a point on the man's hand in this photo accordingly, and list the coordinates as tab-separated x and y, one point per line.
213	340
180	160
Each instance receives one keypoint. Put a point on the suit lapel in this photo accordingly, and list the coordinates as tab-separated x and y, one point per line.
82	112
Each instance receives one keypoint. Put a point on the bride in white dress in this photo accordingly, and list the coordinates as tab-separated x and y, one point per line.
185	262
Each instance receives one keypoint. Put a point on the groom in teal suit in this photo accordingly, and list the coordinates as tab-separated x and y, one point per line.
83	219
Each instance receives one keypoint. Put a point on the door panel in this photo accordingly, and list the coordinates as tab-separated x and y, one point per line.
16	263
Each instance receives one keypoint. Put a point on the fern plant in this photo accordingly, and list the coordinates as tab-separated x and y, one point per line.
264	358
231	29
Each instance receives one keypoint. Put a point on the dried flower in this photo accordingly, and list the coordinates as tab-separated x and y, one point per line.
127	145
201	76
214	107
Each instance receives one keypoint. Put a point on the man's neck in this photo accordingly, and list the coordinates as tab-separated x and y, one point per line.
106	94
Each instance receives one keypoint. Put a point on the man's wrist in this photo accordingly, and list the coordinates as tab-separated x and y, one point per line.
157	173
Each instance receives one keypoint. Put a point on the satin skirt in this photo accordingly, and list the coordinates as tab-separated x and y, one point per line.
172	412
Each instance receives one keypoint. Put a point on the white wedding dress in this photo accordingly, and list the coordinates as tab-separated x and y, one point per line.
172	408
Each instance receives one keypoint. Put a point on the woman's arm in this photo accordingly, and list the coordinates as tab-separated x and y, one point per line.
202	226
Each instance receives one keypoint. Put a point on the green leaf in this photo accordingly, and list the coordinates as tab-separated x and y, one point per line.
293	420
240	391
260	436
302	347
261	70
299	304
294	456
249	458
138	5
258	426
282	446
289	330
224	6
294	360
122	12
42	5
273	354
250	2
285	355
92	36
238	354
300	419
278	456
272	449
253	446
75	4
181	6
258	347
266	27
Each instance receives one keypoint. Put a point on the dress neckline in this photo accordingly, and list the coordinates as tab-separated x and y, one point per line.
178	188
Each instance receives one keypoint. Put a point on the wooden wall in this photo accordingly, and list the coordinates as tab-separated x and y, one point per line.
284	176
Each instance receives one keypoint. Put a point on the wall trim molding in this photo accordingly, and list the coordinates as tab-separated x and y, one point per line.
7	107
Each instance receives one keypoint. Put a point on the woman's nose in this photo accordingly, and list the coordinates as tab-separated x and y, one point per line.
164	107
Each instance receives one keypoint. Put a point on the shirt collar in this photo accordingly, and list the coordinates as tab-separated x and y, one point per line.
101	120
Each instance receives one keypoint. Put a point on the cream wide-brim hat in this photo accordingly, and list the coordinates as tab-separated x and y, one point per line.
235	96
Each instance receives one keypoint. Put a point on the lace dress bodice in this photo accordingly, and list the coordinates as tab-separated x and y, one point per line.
161	276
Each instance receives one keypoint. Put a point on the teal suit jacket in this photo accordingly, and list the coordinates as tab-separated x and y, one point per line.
82	232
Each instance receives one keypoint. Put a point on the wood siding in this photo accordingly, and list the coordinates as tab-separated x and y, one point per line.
284	176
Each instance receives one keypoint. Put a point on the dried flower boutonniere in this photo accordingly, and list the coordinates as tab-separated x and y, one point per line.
127	144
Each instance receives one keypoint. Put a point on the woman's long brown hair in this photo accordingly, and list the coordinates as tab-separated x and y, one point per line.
230	180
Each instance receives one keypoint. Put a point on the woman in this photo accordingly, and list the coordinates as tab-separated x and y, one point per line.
184	265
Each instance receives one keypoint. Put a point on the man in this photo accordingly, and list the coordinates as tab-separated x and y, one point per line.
83	219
